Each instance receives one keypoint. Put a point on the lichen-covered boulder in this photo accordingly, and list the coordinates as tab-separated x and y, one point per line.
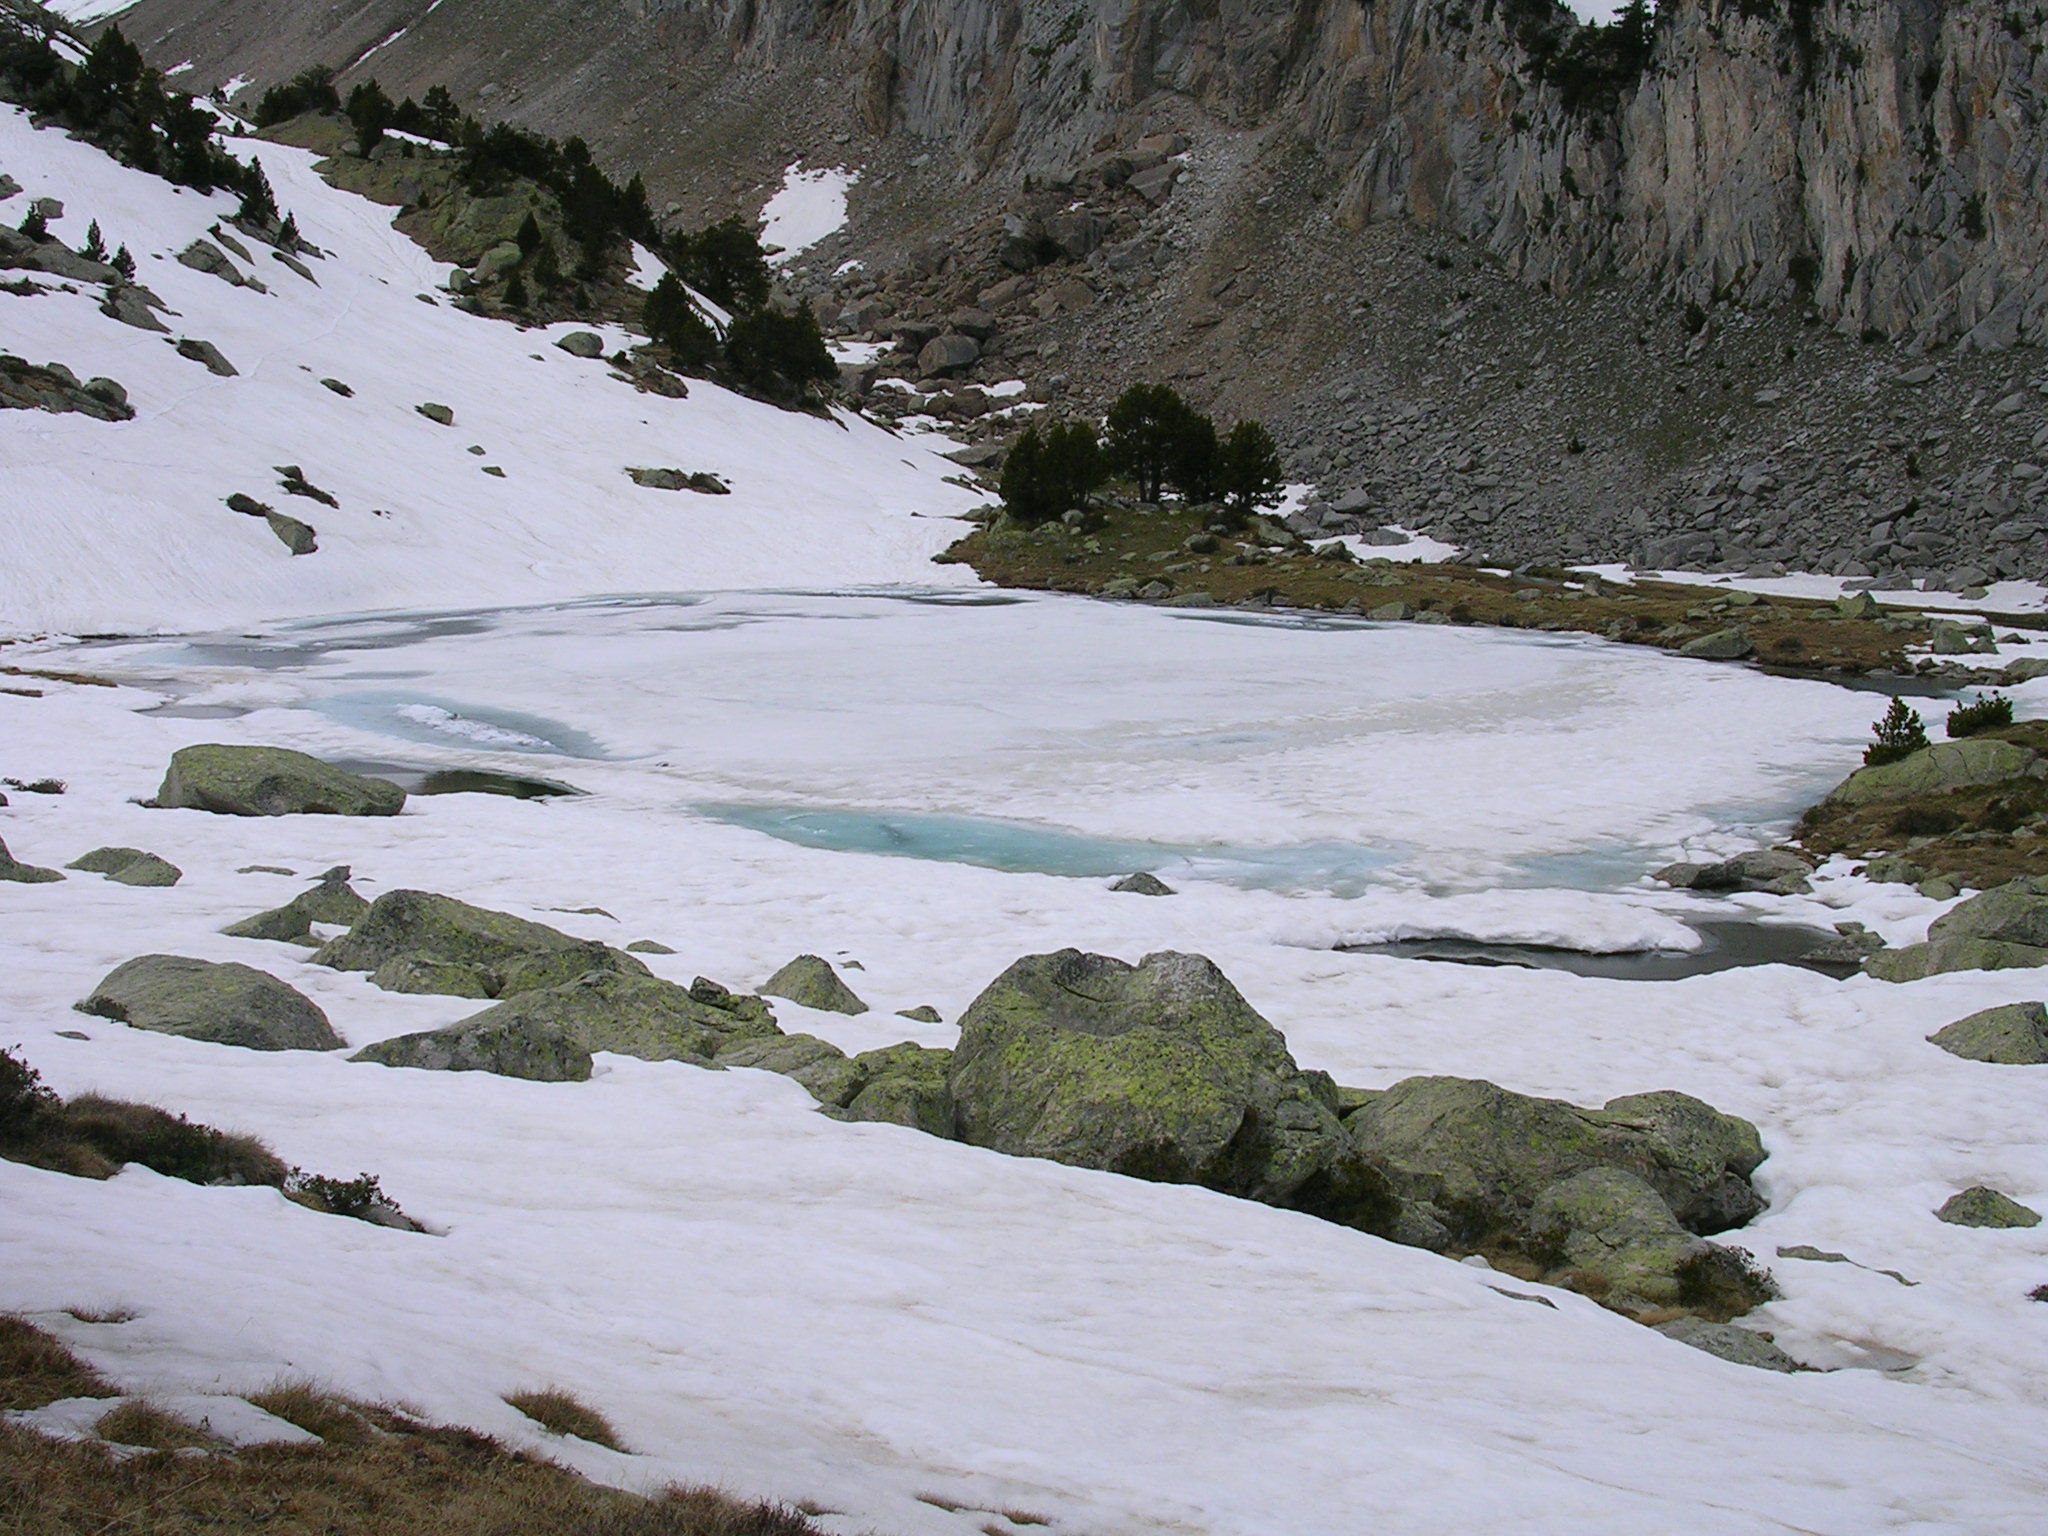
786	1054
2005	928
629	1014
2014	1035
1613	1235
2013	913
1982	1206
271	781
129	866
226	1004
1161	1071
903	1085
811	981
509	1048
13	869
1731	1342
1143	883
1911	962
1966	764
1468	1159
331	900
415	941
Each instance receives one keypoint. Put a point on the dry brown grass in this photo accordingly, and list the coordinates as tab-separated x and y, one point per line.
35	1369
563	1413
379	1474
143	1424
317	1412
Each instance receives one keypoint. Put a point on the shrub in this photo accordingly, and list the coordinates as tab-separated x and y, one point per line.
1985	714
561	1413
357	1197
1719	1283
23	1098
1248	471
1899	734
778	356
170	1144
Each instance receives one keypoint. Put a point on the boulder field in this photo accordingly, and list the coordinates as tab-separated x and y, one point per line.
1159	1070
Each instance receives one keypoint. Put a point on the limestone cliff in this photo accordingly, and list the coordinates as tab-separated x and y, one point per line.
1887	158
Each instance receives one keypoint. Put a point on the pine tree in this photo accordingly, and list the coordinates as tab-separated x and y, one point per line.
288	233
1899	734
515	291
1072	466
1022	487
672	321
1153	437
547	271
1248	469
779	356
1191	460
528	238
124	264
35	226
259	203
95	247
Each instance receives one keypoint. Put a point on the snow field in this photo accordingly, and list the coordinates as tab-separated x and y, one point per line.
808	206
132	513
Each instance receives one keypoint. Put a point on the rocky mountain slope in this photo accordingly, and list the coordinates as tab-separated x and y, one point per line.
1696	253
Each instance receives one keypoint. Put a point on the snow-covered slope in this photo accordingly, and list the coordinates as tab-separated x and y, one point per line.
915	1335
121	526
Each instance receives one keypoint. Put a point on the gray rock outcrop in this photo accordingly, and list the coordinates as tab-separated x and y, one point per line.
332	900
2013	1034
811	981
271	781
1981	1206
2005	928
510	1049
416	941
13	869
1161	1071
226	1004
129	866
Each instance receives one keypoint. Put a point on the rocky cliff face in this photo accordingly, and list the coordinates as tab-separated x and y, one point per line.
1887	158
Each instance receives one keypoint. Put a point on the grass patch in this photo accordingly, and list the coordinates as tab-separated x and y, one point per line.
377	1473
36	1370
143	1424
301	1403
562	1413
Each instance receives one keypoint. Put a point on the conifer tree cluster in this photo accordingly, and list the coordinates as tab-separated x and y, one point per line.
116	102
1158	442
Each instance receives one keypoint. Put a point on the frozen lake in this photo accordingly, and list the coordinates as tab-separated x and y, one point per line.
1073	738
922	1335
